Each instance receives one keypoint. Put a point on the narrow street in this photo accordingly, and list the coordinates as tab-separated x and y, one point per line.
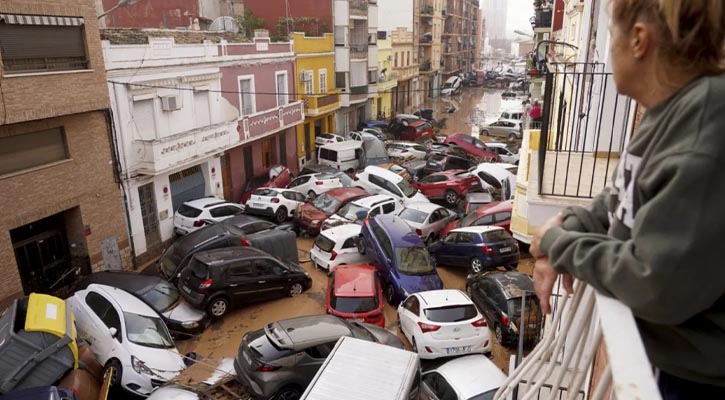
473	106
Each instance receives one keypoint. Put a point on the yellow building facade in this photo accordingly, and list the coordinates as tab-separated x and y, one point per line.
315	86
383	103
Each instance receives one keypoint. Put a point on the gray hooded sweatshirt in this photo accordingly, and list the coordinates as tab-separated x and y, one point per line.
653	239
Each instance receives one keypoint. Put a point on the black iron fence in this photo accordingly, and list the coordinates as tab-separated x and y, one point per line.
585	123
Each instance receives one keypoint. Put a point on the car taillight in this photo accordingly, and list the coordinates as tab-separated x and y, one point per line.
275	200
419	232
428	327
333	255
267	368
480	323
199	223
206	284
246	243
486	249
504	319
355	178
319	183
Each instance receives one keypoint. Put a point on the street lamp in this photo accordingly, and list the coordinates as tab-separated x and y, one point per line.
121	3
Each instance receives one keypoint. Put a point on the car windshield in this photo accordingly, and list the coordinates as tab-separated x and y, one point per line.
169	261
147	331
408	190
344	179
324	243
451	313
413	261
412	215
485	396
188	211
349	211
468	219
326	203
162	296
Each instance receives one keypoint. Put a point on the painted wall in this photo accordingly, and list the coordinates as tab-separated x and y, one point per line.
272	10
320	56
167	14
265	86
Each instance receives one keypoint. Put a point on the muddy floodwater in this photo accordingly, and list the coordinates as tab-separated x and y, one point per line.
472	107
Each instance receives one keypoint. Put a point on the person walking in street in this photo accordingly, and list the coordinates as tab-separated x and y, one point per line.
650	240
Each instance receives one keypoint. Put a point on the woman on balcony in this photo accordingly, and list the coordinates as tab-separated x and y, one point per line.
651	240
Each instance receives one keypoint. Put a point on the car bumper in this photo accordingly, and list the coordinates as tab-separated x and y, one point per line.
267	212
139	384
306	226
197	300
253	387
429	348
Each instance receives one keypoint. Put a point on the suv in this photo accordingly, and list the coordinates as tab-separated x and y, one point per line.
218	279
194	214
280	360
473	146
400	257
496	214
372	205
498	295
376	180
448	185
315	184
445	162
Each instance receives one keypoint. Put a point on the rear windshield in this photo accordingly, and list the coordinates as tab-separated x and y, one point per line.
162	296
497	235
451	313
413	261
412	215
264	349
514	305
326	203
188	211
324	243
198	269
171	259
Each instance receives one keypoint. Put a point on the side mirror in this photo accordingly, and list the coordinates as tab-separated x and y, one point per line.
113	331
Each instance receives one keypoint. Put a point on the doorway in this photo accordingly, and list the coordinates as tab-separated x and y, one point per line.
149	216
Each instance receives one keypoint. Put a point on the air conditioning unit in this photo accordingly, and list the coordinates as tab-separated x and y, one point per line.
306	76
170	103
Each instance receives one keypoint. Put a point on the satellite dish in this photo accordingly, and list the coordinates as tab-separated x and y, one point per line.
227	24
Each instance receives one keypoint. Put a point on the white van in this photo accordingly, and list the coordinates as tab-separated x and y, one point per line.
354	371
343	155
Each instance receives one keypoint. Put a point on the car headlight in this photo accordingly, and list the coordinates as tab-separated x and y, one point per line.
315	222
140	367
306	273
189	324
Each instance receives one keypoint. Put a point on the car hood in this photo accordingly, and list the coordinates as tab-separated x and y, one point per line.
166	363
384	336
417	197
184	312
420	283
309	213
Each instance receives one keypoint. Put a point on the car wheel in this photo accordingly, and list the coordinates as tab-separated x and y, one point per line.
485	132
512	137
295	289
218	307
476	265
499	334
311	195
113	366
451	197
390	295
288	393
360	243
281	215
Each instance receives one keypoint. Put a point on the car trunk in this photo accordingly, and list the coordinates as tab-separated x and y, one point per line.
501	243
196	273
186	215
455	321
257	351
324	245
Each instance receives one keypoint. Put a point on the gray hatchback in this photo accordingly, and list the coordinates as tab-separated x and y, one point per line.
279	361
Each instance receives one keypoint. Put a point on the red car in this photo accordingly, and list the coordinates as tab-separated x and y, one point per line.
277	176
448	185
417	131
473	146
495	214
312	215
354	291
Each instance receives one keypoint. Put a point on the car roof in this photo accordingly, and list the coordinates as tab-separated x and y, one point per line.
478	196
354	281
512	283
369	201
424	206
416	124
495	207
344	145
384	173
399	232
302	332
126	280
496	144
345	193
124	300
444	297
405	143
472	375
450	173
478	229
205	202
221	256
342	232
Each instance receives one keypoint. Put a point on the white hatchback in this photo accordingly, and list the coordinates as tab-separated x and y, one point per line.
272	202
372	205
427	219
128	335
376	180
337	246
443	323
193	215
406	151
313	185
503	151
462	378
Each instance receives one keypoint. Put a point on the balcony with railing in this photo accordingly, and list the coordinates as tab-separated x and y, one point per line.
359	8
426	66
543	12
359	51
405	73
318	104
426	10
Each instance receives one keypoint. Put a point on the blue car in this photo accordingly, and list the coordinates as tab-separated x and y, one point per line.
477	247
399	256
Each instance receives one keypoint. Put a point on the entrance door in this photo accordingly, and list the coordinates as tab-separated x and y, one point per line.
187	185
266	154
149	216
226	176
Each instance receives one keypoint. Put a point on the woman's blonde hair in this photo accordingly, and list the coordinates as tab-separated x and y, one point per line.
690	33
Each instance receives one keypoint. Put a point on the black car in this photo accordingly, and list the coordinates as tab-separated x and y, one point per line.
217	280
498	295
445	162
415	168
180	317
238	231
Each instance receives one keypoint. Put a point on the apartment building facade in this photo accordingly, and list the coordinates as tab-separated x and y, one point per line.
383	102
460	32
430	20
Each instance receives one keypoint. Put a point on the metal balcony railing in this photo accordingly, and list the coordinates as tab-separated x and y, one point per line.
558	367
585	124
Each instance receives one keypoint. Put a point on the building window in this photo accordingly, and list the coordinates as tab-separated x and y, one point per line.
373	76
322	74
38	43
143	118
282	89
201	108
340	32
309	84
396	60
30	150
340	80
247	104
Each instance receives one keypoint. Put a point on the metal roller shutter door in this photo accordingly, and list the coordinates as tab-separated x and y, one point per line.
187	185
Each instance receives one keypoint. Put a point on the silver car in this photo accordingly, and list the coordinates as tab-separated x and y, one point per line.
280	360
509	128
427	219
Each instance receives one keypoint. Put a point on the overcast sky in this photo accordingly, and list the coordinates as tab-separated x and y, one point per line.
519	13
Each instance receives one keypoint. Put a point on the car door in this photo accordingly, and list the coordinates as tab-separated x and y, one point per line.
438	220
435	387
240	281
444	255
95	326
272	278
394	191
293	201
430	185
465	248
299	184
409	315
488	305
310	360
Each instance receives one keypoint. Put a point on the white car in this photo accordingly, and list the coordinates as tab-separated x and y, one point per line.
376	180
406	151
372	205
427	219
443	323
468	377
496	177
322	139
337	246
454	85
506	155
128	335
313	185
280	204
193	215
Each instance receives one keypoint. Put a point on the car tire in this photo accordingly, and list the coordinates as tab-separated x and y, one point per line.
476	265
512	137
295	289
113	366
281	215
451	197
499	334
485	132
288	393
217	307
390	295
311	195
360	244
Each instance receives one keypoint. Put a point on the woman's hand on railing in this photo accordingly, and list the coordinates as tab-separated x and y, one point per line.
544	280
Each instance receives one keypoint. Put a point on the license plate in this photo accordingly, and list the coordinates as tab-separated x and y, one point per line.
257	205
504	249
458	350
186	289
